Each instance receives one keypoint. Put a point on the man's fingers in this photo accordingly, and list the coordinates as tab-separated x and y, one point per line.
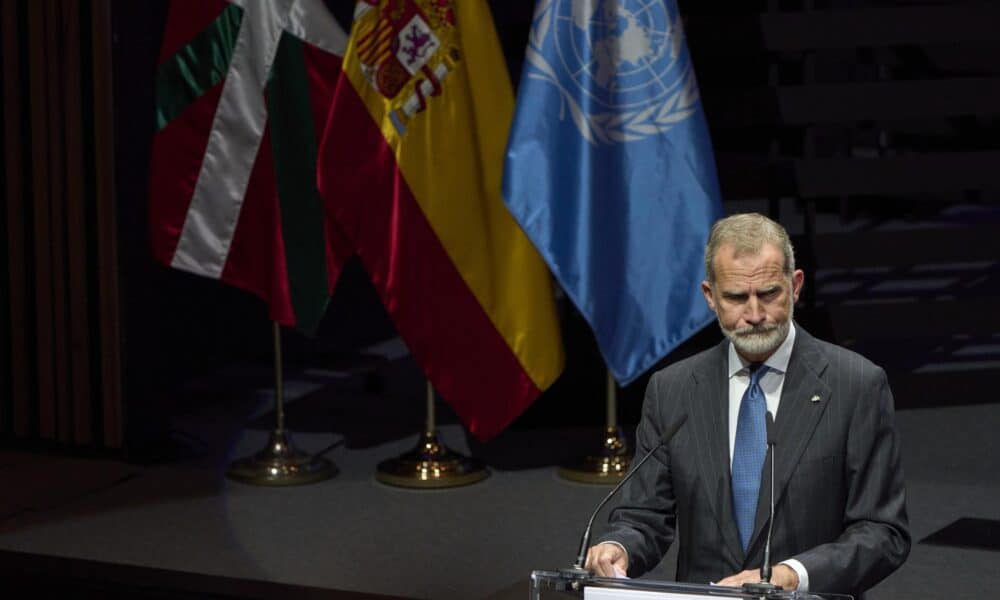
592	558
738	579
603	558
785	576
606	563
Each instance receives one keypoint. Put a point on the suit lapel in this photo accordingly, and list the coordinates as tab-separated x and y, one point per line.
804	397
710	416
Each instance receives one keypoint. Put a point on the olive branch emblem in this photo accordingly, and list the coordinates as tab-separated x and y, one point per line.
613	126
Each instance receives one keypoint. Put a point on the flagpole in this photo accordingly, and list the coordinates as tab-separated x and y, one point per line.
280	462
611	402
431	415
611	463
431	465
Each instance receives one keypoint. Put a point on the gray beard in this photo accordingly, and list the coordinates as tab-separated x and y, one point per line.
756	341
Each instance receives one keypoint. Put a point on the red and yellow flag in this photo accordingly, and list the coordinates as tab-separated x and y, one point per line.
410	168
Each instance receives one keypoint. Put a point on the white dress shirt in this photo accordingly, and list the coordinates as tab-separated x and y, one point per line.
770	383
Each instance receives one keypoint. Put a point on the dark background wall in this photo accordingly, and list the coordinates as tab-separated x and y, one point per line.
869	128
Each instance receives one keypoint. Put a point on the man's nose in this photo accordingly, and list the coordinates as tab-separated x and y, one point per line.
754	312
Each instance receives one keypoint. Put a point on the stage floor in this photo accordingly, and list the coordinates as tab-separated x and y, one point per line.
353	534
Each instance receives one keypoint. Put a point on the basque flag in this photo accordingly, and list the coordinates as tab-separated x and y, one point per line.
243	90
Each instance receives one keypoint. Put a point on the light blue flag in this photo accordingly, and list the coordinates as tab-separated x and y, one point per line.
609	170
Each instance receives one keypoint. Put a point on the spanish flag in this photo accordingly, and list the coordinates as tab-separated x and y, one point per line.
410	168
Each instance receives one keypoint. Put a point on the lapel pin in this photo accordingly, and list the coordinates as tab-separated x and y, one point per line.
815	399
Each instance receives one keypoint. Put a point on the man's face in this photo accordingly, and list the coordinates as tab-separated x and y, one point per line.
753	298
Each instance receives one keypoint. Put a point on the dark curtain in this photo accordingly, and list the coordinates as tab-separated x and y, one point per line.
60	374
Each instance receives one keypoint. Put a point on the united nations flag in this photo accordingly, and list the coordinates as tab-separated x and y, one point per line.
609	170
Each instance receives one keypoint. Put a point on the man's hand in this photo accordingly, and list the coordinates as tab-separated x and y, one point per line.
603	559
782	575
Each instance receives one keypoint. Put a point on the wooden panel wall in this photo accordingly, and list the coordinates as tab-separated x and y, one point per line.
60	338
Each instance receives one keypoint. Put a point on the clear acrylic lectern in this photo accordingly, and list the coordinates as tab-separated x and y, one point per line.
550	585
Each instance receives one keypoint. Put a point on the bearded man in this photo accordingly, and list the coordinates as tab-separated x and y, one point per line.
840	522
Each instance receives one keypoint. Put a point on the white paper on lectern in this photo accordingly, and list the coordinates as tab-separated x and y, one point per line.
598	593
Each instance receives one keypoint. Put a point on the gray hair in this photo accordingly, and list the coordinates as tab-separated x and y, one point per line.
747	232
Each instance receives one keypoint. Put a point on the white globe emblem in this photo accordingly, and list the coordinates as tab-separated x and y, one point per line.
621	66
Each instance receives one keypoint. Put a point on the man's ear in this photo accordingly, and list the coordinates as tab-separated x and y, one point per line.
706	288
798	278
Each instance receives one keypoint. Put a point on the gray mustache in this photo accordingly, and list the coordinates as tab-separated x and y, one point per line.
756	330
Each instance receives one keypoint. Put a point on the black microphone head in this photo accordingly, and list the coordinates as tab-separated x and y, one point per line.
770	428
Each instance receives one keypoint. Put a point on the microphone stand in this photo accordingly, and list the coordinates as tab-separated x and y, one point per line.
578	571
764	588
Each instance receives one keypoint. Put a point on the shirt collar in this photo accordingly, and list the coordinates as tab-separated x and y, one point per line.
776	362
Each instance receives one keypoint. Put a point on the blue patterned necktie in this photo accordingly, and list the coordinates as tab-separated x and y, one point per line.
748	454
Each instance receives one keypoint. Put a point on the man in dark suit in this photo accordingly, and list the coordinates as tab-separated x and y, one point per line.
840	523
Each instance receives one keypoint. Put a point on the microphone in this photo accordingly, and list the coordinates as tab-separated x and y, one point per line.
765	586
578	570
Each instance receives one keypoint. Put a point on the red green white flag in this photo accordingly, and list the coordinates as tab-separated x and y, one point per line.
242	91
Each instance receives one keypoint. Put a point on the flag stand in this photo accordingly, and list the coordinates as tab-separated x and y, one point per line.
280	462
611	463
431	465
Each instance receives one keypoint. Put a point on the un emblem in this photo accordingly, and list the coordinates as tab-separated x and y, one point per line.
621	66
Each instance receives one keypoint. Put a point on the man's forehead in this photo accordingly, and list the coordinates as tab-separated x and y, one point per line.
767	255
757	271
763	266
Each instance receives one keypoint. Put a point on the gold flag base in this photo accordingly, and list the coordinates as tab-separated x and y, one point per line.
280	463
607	467
431	466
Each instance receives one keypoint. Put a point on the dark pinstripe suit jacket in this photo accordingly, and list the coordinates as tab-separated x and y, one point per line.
840	501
